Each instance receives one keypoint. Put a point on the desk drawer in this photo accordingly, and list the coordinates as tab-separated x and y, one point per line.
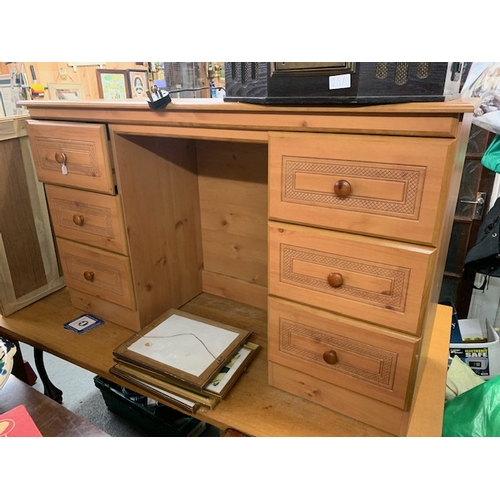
81	147
91	218
375	280
359	357
96	272
378	185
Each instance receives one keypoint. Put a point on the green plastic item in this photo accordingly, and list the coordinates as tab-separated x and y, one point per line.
475	413
491	157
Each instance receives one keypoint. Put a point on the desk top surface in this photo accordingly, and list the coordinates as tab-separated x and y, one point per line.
252	406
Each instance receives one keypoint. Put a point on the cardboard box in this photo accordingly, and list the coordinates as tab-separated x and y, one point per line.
481	351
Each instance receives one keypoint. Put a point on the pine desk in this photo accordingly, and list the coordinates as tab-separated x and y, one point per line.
331	224
252	406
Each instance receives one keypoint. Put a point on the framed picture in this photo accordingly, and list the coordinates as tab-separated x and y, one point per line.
183	346
62	91
138	83
113	84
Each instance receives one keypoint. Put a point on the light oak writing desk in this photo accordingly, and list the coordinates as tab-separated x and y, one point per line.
332	223
252	406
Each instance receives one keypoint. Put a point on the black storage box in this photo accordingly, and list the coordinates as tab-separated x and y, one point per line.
158	420
341	82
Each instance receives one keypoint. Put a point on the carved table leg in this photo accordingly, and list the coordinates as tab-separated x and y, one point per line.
49	388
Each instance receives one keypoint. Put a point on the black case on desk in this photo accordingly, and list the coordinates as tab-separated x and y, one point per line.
368	83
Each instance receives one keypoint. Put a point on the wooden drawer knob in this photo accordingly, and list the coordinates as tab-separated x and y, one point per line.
88	275
330	357
61	158
335	280
78	219
342	188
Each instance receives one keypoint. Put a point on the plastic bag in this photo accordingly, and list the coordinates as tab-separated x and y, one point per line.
491	157
475	413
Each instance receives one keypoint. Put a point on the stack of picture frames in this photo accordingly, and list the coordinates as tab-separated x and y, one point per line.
184	360
122	83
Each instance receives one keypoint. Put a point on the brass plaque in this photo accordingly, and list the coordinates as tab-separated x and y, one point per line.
333	68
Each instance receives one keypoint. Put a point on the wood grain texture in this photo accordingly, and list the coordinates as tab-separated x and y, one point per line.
91	218
86	149
384	282
395	183
28	262
159	189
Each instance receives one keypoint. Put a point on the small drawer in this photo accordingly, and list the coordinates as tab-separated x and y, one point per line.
91	218
97	272
376	185
72	154
376	280
369	360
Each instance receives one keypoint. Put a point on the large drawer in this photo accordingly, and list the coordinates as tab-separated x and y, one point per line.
367	359
377	185
375	280
72	154
91	218
97	272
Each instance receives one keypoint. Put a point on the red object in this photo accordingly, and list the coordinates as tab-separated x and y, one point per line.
18	423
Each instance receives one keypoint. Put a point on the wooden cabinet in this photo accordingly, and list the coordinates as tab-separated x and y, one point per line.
336	220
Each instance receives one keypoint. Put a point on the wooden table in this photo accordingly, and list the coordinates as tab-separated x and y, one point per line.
52	419
252	406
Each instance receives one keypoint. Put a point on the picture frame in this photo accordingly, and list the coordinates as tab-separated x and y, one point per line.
64	91
113	84
138	83
183	346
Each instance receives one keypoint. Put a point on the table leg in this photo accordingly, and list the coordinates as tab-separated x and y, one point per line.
18	369
49	388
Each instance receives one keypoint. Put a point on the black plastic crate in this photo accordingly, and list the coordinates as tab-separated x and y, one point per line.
157	420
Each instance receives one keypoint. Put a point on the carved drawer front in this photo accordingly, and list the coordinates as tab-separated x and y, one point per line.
359	357
92	218
72	154
377	185
375	280
99	273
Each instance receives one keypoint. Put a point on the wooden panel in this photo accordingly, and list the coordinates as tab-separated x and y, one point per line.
384	282
92	218
357	406
369	360
28	262
394	183
85	146
17	224
232	288
106	310
233	203
158	185
413	119
110	276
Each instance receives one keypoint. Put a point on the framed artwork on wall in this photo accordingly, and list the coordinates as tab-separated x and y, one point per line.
138	83
62	91
113	84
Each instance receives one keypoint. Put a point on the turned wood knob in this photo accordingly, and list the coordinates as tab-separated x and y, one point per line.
60	158
78	219
335	280
88	275
330	357
342	188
